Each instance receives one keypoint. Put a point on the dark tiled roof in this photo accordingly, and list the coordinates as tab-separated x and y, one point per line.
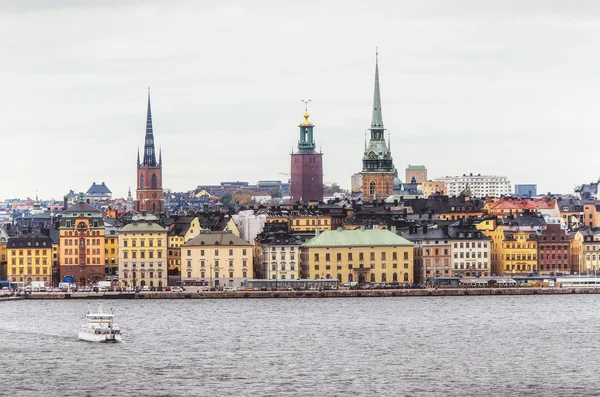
83	208
98	190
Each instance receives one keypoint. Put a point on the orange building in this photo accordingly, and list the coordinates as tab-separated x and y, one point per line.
505	207
82	244
431	187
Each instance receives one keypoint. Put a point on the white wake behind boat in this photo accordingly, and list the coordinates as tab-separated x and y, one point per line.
100	327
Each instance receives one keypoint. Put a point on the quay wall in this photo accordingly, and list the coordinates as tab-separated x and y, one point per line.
316	294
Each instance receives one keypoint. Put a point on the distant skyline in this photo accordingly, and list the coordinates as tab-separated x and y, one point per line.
497	87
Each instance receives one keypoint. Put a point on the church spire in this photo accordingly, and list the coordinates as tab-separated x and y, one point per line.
377	120
149	152
138	163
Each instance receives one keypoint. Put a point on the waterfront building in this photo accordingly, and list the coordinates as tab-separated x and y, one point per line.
360	255
470	251
149	193
419	172
479	185
429	188
29	258
278	254
514	249
432	252
585	251
217	258
82	244
111	246
554	249
3	258
525	190
182	229
378	167
307	166
143	253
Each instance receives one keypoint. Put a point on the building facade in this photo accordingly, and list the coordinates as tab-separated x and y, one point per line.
82	244
360	255
149	193
526	190
514	250
554	249
470	251
419	172
29	258
478	185
278	256
432	252
434	187
219	259
143	253
307	166
378	167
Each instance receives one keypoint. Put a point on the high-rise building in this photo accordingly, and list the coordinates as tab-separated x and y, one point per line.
378	166
528	190
477	185
419	172
307	166
149	193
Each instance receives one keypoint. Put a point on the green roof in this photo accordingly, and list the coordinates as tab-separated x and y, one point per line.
416	167
357	238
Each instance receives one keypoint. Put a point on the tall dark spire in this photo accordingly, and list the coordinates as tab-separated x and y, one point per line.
377	121
149	152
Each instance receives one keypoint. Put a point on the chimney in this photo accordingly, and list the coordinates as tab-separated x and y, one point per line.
445	229
393	229
317	232
424	229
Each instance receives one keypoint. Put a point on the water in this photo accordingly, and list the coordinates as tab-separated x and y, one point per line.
435	346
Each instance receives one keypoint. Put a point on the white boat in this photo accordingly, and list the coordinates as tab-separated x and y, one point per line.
100	328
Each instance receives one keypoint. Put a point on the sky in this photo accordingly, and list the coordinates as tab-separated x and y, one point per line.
493	87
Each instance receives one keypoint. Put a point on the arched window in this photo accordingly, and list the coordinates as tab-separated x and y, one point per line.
372	188
372	277
339	277
350	278
384	278
395	277
154	182
142	181
405	276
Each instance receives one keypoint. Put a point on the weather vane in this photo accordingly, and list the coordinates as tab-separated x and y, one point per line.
305	104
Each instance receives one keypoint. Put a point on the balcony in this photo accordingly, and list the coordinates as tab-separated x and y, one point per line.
361	269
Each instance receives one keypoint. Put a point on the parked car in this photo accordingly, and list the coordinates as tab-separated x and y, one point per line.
167	288
177	289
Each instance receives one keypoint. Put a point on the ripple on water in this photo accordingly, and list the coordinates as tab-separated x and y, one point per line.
467	346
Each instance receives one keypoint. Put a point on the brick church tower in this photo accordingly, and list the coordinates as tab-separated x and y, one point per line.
307	165
149	193
378	167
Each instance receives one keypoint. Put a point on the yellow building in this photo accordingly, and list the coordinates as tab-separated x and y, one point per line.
219	259
143	253
29	258
111	252
363	256
514	250
3	244
307	222
181	230
431	187
585	252
82	250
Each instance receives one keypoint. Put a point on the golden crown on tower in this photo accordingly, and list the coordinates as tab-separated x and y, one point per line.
306	115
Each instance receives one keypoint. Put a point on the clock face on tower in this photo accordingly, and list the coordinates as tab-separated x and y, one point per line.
154	195
372	155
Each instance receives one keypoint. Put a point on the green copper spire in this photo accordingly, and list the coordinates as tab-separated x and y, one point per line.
306	140
377	121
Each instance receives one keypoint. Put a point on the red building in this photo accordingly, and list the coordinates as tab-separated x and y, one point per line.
307	166
554	246
149	193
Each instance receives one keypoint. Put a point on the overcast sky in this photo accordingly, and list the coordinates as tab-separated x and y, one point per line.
491	87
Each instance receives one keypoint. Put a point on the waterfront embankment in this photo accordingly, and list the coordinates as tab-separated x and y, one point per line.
312	294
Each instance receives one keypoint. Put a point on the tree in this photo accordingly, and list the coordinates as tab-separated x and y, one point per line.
275	192
334	188
226	199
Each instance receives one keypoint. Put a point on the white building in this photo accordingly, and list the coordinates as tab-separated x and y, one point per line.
470	250
479	185
249	223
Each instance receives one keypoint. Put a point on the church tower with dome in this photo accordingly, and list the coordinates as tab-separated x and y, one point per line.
149	192
378	166
307	165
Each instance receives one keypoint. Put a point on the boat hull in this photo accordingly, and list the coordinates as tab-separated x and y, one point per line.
102	338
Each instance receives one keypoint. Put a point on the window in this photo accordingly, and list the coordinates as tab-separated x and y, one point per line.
316	257
230	252
244	252
339	257
349	256
327	257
